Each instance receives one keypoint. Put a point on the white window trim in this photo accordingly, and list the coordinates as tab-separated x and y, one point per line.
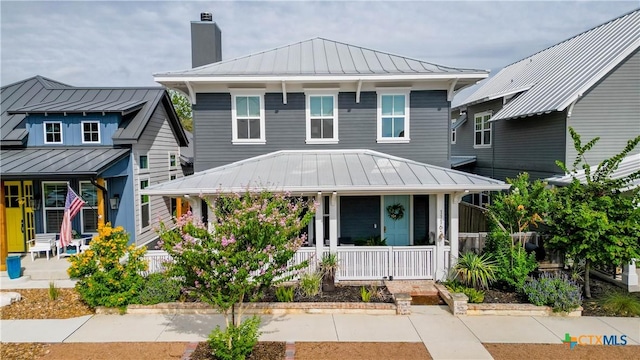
234	118
308	95
177	160
141	179
82	130
384	140
86	206
140	169
44	132
45	207
482	145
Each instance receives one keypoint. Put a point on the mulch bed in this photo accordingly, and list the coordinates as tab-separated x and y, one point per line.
341	294
266	350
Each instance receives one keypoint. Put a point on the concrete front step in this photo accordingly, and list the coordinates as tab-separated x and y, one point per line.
412	287
46	274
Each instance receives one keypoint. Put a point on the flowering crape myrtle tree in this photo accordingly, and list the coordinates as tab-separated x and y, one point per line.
254	237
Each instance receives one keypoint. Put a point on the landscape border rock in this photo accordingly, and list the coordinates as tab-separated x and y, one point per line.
260	308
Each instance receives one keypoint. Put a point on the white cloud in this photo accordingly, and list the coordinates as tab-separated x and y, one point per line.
88	43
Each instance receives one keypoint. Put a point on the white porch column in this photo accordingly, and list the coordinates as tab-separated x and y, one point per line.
441	272
196	207
630	276
319	226
454	227
211	219
333	223
433	228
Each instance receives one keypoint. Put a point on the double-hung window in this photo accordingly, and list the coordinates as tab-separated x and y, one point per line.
393	117
89	193
322	118
482	129
143	162
248	125
90	132
54	195
52	132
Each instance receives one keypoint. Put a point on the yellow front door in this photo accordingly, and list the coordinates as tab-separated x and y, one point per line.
15	220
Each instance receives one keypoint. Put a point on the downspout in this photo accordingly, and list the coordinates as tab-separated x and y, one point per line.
105	199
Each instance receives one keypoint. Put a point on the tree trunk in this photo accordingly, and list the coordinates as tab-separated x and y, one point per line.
587	287
328	282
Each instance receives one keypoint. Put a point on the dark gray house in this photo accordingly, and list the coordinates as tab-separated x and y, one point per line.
518	120
362	131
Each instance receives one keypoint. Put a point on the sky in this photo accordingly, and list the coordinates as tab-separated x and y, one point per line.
122	43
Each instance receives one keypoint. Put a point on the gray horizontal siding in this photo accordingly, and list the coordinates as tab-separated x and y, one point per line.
285	128
610	110
530	144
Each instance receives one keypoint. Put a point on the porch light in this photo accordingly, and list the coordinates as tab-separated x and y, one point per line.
114	202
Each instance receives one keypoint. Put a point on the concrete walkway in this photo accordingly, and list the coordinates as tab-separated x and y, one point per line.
445	336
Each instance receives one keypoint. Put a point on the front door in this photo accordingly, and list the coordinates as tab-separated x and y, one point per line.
396	220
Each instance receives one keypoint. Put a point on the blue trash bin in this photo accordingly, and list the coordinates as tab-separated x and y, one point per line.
14	267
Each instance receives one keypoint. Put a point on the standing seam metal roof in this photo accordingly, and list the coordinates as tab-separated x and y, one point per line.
552	79
36	95
350	171
319	56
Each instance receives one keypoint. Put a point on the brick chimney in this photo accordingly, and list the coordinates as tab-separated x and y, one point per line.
206	41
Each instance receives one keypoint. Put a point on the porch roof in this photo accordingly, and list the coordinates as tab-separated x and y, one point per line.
42	161
311	171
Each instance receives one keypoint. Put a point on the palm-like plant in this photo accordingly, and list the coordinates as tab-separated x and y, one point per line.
475	270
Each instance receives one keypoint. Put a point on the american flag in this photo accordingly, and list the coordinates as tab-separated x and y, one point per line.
72	205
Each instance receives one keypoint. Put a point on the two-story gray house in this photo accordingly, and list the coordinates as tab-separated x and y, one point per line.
363	131
518	120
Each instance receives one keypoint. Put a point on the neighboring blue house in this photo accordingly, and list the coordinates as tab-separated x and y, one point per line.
362	131
107	143
518	120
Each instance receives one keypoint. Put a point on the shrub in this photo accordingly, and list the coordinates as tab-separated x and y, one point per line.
159	288
475	296
109	272
622	304
236	342
554	290
284	293
310	283
475	270
54	292
366	294
512	263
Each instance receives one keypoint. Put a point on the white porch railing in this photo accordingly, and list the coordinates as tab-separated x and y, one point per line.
378	262
357	262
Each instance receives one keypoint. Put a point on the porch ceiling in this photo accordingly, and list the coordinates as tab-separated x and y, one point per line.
40	162
311	171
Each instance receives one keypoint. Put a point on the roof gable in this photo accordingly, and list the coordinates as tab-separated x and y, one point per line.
552	79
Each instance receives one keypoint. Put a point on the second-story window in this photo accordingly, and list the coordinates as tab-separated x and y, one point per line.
145	210
248	119
393	117
322	119
173	162
90	132
52	132
143	162
482	129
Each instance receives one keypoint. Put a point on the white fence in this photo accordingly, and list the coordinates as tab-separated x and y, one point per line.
357	262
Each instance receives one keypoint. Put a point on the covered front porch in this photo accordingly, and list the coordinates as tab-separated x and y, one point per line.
362	196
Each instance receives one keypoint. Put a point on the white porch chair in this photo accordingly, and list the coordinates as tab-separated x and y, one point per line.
42	242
